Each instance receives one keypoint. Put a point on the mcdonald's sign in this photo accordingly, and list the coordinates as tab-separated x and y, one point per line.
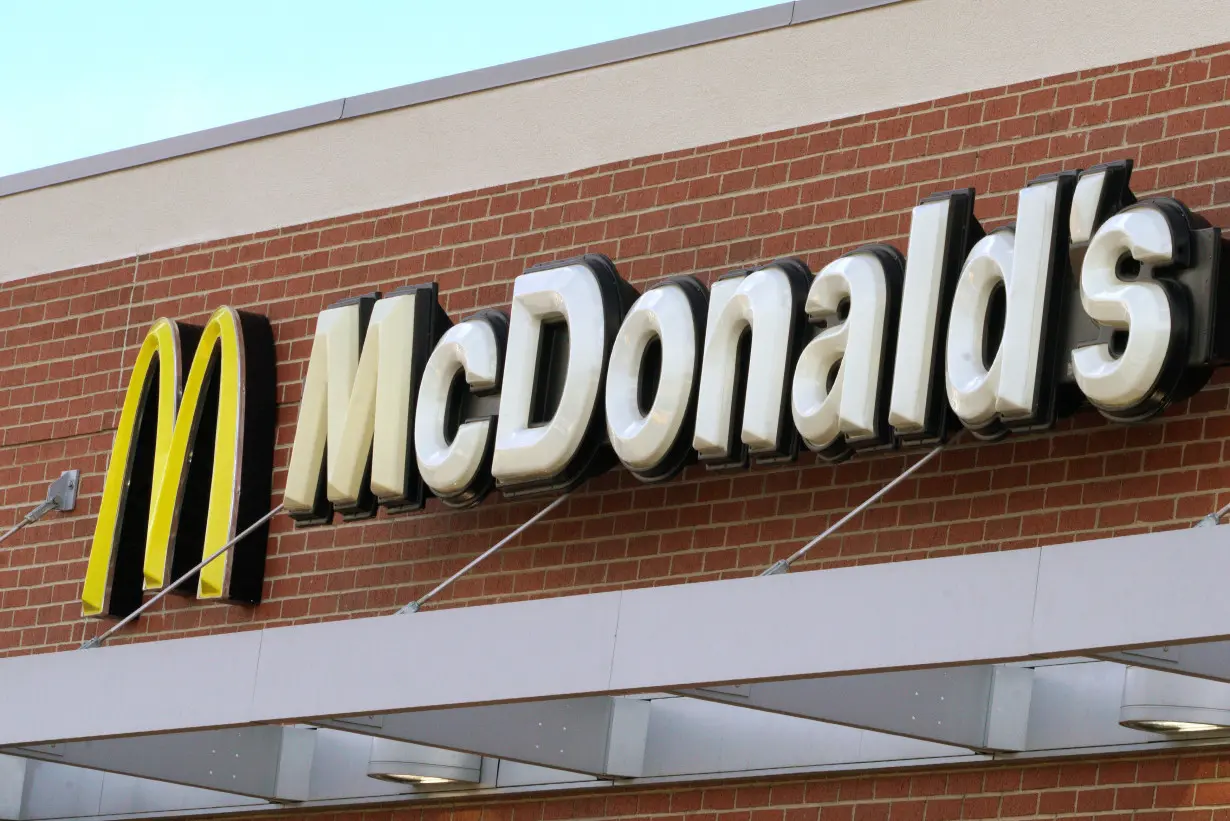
191	465
1090	298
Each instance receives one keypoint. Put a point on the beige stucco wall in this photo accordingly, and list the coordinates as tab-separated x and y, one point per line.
860	62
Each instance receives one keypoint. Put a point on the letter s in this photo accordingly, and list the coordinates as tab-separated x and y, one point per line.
1123	287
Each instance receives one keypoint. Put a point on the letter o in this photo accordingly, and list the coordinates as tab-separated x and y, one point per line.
655	442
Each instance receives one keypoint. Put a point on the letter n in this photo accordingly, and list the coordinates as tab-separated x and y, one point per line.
753	336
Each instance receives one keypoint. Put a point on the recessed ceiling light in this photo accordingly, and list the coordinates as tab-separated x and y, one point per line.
418	765
405	778
1172	726
1169	703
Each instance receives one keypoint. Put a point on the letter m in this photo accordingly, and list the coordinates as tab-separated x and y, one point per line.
354	439
191	466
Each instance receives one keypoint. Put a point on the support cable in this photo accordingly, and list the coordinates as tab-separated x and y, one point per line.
98	640
62	496
413	607
115	628
783	565
1213	519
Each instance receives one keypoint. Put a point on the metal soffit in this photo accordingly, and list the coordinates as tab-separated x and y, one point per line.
456	85
1020	654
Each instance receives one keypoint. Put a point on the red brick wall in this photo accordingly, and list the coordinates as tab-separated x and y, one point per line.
67	339
1168	788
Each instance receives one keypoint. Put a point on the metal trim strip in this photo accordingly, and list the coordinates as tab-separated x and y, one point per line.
1056	601
456	85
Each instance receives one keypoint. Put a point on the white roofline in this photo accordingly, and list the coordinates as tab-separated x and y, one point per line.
780	78
455	85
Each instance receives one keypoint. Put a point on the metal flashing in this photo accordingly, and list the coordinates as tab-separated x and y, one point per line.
808	11
172	147
552	684
575	59
484	79
1058	601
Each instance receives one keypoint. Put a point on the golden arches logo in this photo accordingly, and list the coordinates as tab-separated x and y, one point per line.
191	465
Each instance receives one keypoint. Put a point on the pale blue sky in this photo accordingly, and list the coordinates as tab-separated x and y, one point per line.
80	77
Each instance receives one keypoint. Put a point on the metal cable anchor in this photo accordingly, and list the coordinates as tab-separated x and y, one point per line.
62	496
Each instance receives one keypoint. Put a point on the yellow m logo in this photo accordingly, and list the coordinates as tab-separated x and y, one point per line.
191	465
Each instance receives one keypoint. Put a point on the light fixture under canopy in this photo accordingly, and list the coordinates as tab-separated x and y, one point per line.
1160	702
415	764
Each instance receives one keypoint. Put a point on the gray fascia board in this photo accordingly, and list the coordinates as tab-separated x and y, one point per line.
267	762
172	147
947	705
1058	601
576	734
1209	660
575	59
808	11
1074	712
12	786
520	71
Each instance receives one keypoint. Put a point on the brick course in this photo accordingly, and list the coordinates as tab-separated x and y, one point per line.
1156	788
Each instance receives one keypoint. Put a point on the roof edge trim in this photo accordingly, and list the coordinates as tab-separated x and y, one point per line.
455	85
